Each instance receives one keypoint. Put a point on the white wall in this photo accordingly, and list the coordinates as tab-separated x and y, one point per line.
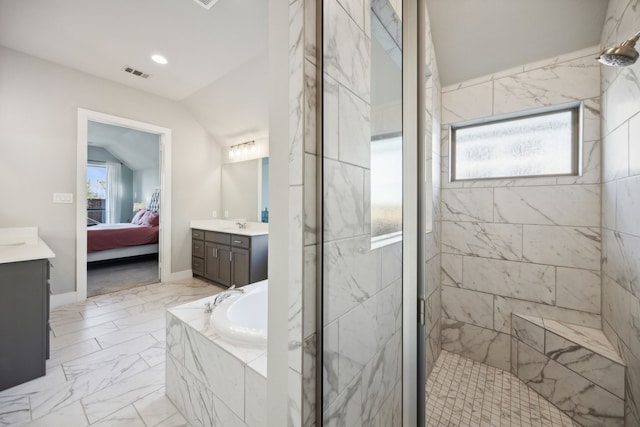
144	182
39	104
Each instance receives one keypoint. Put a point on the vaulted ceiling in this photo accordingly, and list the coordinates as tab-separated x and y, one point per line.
218	58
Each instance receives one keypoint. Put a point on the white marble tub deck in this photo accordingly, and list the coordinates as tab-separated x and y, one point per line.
192	314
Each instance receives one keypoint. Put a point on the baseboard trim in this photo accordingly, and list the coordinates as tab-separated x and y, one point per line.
180	275
58	300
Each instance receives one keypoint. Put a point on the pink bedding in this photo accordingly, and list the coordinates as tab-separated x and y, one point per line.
112	236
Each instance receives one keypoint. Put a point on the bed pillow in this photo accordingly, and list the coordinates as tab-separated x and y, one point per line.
138	216
150	218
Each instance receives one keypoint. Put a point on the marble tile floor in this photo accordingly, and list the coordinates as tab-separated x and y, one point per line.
465	393
107	364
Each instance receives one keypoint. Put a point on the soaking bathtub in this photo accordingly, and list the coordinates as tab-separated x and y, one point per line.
242	317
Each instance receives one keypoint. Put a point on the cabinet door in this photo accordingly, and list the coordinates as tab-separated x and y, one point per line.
240	264
211	264
224	265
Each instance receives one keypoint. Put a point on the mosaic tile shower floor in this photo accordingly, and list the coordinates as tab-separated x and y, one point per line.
465	393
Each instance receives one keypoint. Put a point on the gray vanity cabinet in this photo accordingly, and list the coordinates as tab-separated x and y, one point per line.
217	263
24	321
229	259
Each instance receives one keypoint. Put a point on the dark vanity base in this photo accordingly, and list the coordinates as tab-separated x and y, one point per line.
24	321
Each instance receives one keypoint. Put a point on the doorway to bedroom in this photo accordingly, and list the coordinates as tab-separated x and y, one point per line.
123	183
123	211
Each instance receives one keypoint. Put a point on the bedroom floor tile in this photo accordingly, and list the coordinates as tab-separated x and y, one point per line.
107	364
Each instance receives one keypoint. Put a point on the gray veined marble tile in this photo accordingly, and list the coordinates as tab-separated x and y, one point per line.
350	275
14	410
628	206
468	103
621	252
111	398
578	289
365	330
600	370
615	163
330	364
520	280
451	266
498	241
467	306
155	407
577	247
503	307
467	204
591	338
379	377
480	344
347	57
344	200
204	360
528	332
354	129
54	398
346	409
575	205
124	417
189	395
71	415
549	85
585	402
634	145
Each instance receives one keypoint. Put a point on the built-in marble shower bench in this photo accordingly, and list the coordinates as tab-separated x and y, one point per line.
574	367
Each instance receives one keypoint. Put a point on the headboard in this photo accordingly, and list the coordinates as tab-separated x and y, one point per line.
154	204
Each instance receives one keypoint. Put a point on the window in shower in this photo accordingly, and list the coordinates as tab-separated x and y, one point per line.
530	144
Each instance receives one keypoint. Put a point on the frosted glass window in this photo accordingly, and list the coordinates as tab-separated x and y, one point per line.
386	186
534	145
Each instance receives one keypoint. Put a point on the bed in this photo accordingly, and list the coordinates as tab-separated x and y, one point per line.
123	240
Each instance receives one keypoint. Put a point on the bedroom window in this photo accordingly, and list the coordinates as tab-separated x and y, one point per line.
533	143
96	192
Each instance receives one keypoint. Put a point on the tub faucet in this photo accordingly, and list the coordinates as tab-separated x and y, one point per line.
226	294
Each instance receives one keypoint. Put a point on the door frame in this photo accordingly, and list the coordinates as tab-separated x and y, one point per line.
164	245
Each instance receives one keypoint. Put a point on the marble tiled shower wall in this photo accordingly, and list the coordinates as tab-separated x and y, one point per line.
303	227
362	317
621	202
530	246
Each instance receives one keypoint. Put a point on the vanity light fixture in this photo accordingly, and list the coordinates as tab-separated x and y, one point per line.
242	149
159	59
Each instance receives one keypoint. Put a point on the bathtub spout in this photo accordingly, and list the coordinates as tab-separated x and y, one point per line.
226	294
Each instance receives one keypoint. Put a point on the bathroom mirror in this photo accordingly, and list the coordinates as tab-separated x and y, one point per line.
361	357
245	190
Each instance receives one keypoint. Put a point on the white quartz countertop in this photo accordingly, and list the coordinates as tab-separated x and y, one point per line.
224	226
22	244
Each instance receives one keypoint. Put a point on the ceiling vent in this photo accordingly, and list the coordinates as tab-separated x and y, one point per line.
135	72
207	4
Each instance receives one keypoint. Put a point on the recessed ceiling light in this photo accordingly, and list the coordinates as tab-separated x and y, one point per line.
159	59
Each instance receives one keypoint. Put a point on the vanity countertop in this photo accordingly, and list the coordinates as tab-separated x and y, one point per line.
22	244
223	226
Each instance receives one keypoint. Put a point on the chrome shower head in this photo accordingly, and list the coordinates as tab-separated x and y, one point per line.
621	56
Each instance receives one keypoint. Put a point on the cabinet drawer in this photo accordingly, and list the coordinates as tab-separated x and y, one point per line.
212	236
197	234
197	248
197	266
240	241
